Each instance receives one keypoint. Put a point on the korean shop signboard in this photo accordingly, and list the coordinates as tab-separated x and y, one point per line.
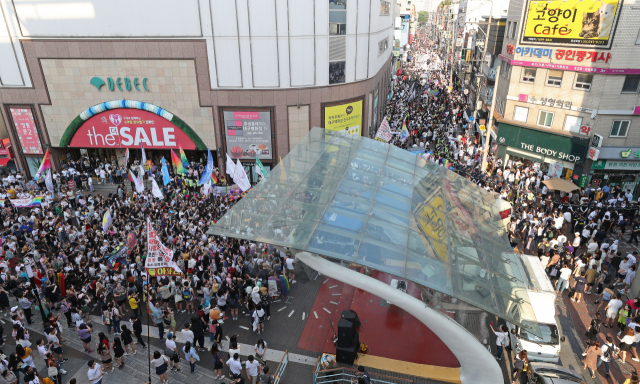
567	148
344	117
578	23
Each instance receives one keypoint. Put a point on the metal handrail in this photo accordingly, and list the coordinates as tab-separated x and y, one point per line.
326	374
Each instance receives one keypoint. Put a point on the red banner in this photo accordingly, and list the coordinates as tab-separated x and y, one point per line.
27	132
128	128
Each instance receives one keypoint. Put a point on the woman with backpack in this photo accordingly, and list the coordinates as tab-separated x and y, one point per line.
187	296
502	339
190	355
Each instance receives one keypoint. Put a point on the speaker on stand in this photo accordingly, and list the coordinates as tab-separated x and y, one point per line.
348	339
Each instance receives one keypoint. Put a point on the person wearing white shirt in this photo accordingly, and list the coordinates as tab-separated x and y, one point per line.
251	367
95	372
235	366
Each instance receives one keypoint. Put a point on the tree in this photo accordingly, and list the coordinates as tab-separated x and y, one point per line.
423	16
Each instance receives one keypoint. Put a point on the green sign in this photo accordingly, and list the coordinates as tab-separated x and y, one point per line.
583	181
625	154
119	82
566	148
616	164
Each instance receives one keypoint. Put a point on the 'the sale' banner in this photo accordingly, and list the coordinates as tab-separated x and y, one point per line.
159	258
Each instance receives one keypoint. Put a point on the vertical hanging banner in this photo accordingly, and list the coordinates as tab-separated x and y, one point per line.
27	132
159	258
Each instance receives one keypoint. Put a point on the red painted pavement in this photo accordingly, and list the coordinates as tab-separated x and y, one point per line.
394	334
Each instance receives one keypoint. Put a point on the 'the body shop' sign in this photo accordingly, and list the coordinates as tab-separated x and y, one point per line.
128	128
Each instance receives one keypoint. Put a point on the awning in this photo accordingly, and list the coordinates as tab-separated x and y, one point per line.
560	185
4	162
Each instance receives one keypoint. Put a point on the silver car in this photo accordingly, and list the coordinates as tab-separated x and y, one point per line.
545	373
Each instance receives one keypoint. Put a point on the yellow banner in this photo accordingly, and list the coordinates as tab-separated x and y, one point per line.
344	117
571	22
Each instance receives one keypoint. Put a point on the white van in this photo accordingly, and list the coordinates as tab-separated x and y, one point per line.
542	298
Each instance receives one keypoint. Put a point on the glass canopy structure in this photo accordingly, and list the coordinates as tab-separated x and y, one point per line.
367	202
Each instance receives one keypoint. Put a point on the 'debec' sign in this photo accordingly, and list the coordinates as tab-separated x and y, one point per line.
120	82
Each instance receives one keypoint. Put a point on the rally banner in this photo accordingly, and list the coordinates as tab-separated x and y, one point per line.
384	132
159	258
122	251
24	203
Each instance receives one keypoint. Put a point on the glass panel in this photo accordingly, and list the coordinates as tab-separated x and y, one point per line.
358	200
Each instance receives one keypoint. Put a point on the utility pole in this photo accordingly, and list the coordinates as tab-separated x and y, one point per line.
454	33
490	119
484	54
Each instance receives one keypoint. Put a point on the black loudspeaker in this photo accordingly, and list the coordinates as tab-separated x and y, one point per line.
348	354
352	316
346	333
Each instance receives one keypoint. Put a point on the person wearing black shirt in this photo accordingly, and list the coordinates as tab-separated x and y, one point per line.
635	231
615	265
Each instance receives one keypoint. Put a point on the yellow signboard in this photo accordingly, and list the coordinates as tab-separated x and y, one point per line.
571	22
344	117
431	221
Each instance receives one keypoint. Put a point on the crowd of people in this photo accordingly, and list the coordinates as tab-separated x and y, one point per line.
64	243
575	234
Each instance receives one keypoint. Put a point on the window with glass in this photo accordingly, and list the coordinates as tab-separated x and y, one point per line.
505	70
620	128
514	26
336	72
337	17
529	75
545	119
521	114
638	39
554	78
572	123
382	46
385	8
583	81
631	84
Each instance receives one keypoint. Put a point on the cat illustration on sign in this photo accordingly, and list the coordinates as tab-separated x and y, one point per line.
606	12
598	24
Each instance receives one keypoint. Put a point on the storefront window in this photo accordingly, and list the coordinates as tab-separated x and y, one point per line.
34	164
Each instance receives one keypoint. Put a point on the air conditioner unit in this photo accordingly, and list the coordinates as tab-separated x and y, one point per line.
596	141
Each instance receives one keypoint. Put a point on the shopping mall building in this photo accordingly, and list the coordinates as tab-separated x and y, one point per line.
243	77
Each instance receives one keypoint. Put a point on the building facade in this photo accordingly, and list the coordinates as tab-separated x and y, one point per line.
241	77
569	89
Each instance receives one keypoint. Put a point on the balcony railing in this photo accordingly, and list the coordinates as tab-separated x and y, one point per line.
486	94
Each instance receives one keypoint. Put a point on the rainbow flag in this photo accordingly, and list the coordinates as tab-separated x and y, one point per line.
404	134
130	178
46	164
177	163
183	156
214	179
24	203
126	157
284	284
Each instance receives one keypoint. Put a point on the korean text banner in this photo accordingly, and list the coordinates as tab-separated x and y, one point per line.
571	23
159	260
344	117
248	134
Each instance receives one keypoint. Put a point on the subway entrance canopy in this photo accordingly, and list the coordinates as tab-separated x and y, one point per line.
363	201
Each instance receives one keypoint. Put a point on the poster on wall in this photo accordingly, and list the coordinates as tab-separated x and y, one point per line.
579	23
27	131
248	134
345	117
555	170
